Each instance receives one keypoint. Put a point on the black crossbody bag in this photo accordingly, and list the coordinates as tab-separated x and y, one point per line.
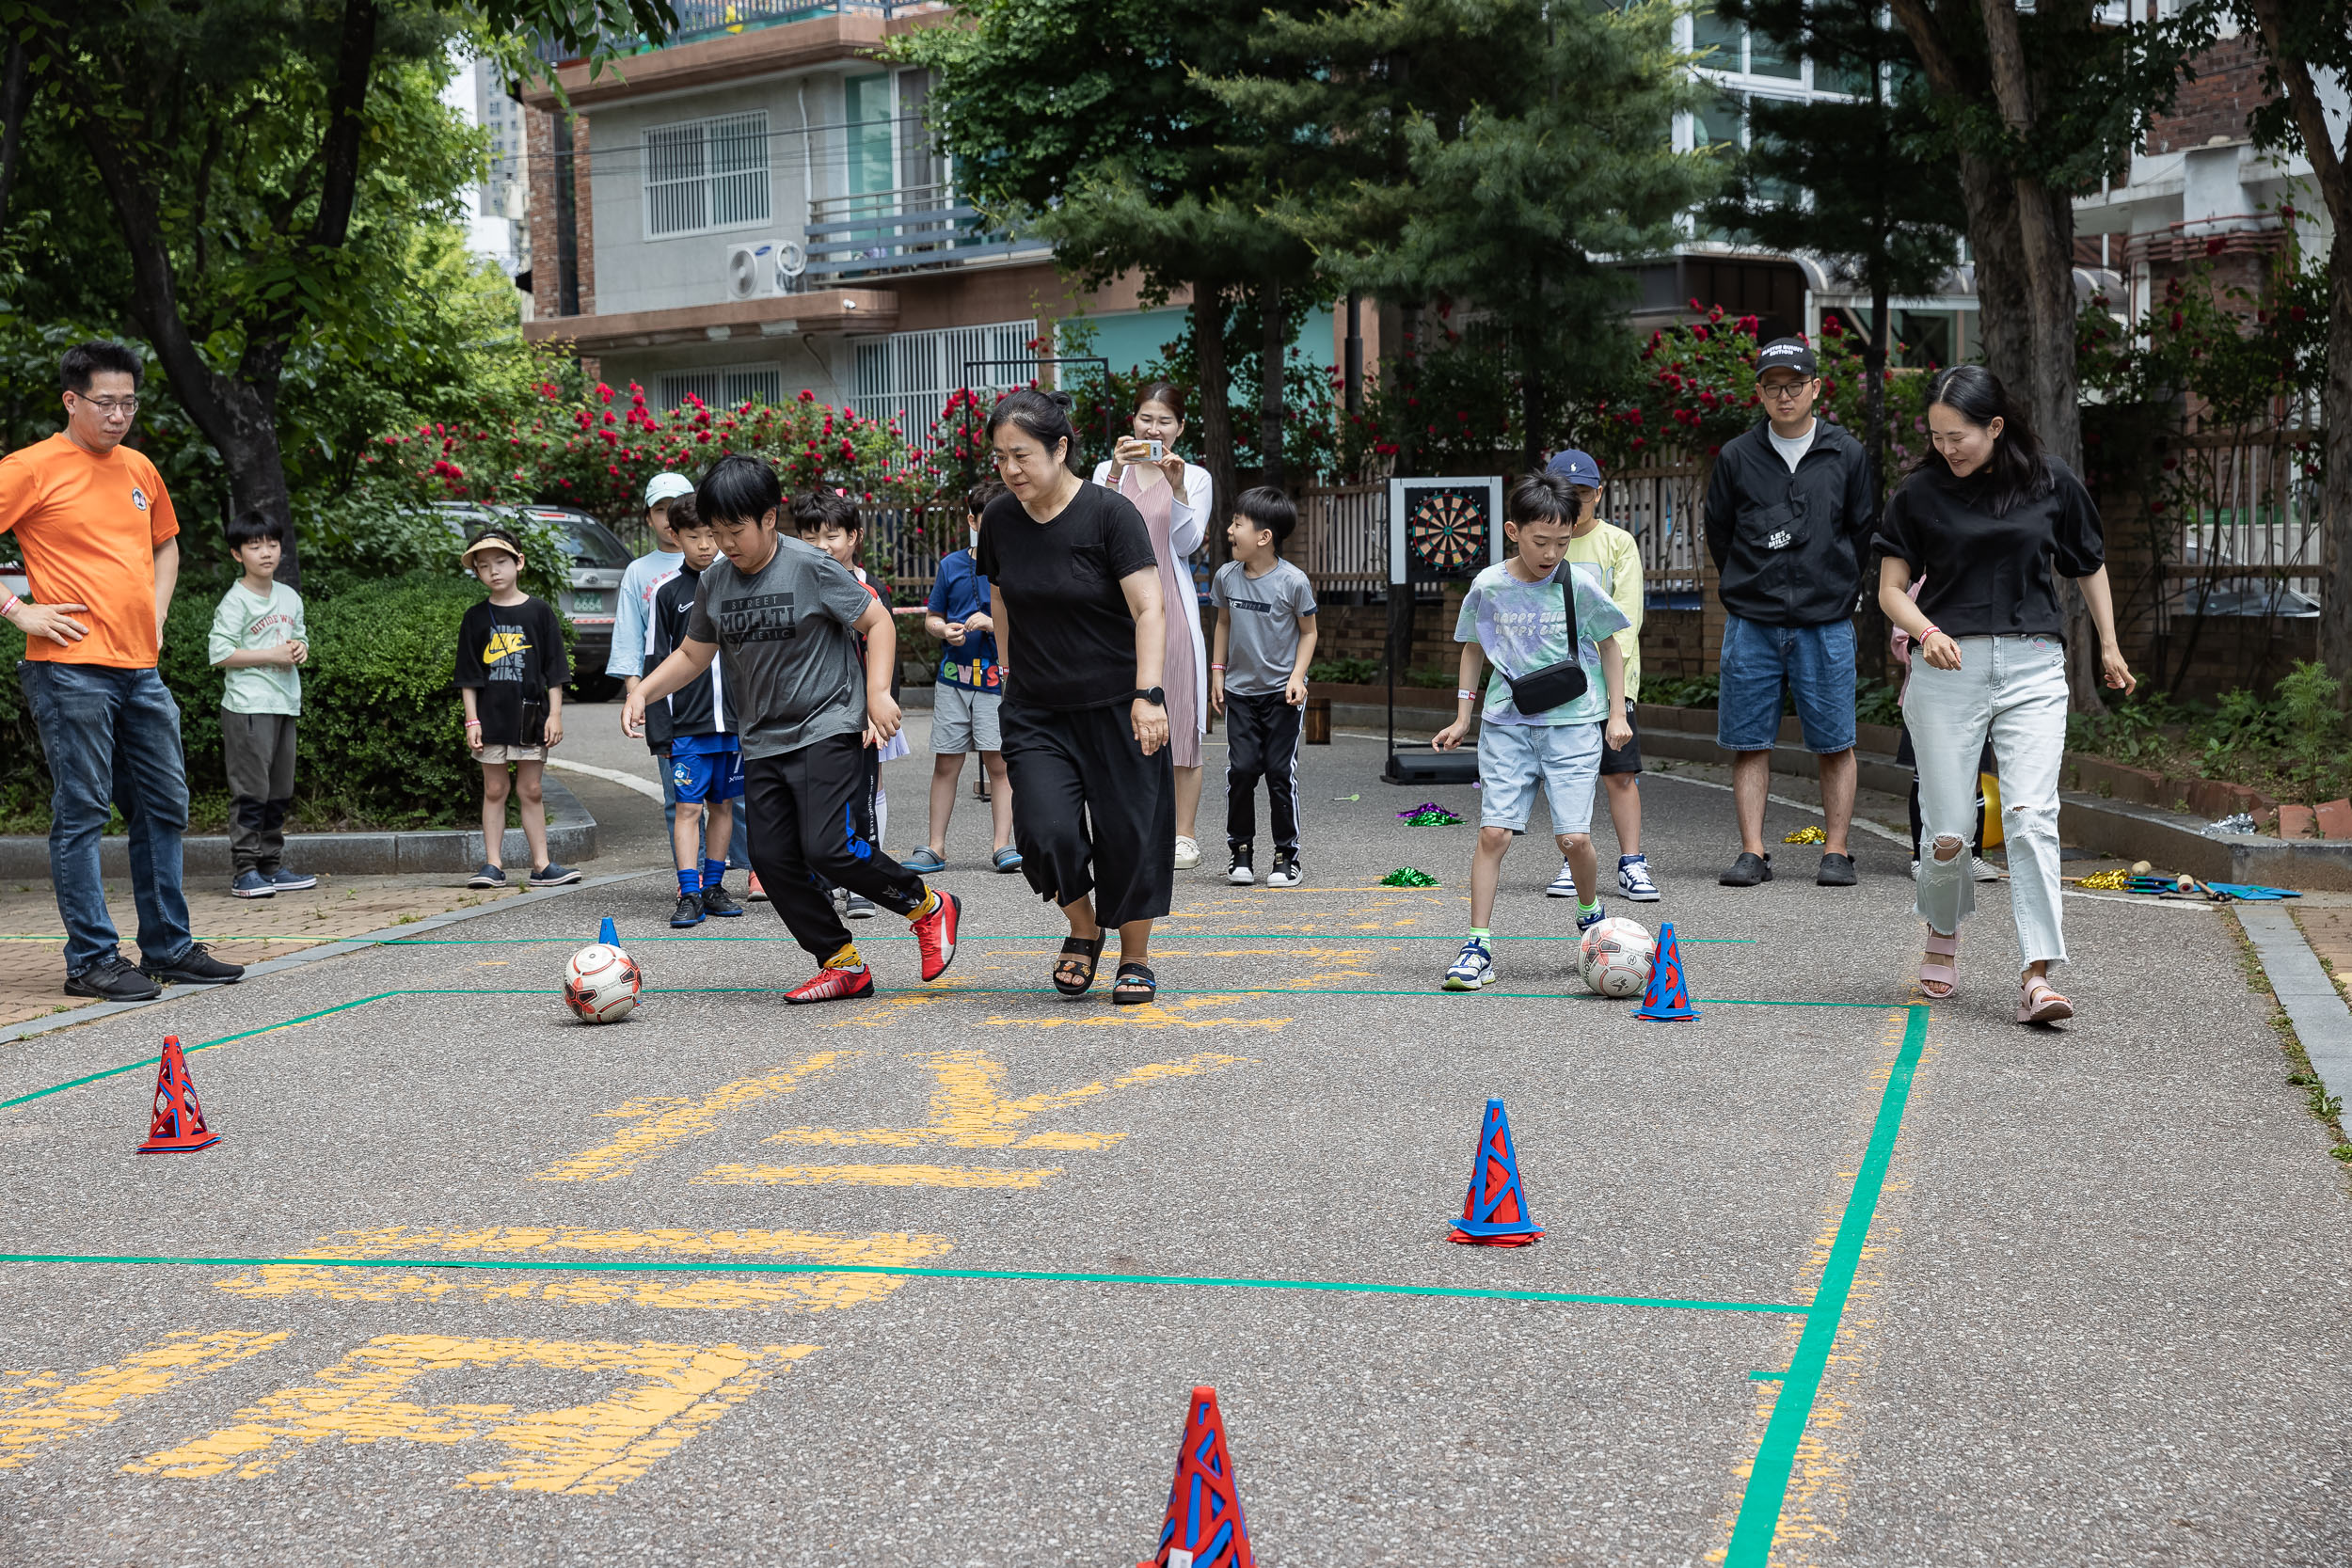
1554	684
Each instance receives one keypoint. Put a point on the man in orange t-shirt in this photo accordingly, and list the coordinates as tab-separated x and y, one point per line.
101	553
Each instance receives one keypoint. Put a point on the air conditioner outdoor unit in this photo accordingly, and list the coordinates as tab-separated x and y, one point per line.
791	268
750	269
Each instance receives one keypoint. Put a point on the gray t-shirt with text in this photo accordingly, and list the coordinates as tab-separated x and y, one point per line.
1263	640
788	654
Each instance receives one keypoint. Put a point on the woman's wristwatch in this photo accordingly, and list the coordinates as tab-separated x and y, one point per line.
1156	695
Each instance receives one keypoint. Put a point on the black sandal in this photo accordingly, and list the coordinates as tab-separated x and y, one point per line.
1067	980
1135	986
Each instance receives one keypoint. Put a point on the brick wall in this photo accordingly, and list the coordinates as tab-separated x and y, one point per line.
2227	87
546	265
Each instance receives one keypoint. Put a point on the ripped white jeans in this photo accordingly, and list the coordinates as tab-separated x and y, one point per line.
2014	688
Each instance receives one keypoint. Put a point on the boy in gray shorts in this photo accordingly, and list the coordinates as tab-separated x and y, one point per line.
1266	639
965	701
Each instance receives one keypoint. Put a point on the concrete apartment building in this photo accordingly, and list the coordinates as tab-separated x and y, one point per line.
756	209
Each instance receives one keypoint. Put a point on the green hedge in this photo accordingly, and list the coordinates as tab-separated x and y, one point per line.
382	738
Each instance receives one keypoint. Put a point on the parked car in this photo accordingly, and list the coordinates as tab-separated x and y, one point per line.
597	560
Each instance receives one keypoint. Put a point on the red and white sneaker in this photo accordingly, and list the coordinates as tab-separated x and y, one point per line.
834	985
757	894
935	934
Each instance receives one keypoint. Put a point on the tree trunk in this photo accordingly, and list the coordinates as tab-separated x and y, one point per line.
16	96
1216	414
1272	357
1874	368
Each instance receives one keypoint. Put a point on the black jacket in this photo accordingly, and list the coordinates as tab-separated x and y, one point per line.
702	705
1787	547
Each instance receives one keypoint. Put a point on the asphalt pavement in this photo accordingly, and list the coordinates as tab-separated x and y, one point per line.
1829	1275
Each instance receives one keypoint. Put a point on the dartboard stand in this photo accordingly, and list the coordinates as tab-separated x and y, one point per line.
1439	530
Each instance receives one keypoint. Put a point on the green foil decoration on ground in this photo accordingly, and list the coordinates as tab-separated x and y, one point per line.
1440	817
1407	876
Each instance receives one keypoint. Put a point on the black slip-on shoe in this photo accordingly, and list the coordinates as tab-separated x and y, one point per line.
1748	870
194	967
113	979
1836	871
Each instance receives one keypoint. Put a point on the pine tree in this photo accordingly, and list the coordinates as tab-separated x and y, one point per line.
1867	183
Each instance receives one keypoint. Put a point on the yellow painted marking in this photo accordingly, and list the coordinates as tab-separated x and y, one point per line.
1151	1015
969	1112
872	1175
665	1123
884	1011
664	1396
40	1411
780	1293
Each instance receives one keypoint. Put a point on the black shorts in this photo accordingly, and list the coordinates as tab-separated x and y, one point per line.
1627	759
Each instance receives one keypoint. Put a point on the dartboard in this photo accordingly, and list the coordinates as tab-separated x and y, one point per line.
1448	531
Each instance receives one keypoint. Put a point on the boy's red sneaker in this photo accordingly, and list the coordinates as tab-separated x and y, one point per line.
758	895
834	985
935	934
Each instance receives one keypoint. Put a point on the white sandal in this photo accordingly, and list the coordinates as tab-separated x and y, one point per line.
2039	1002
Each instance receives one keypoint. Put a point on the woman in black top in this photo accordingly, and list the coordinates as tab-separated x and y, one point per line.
1075	591
1991	522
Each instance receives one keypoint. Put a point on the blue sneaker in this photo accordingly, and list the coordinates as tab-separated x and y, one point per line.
1634	878
1474	969
252	884
290	882
1586	922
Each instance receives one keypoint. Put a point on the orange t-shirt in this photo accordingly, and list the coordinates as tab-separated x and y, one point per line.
90	527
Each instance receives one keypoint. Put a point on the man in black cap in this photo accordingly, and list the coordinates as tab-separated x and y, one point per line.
1788	509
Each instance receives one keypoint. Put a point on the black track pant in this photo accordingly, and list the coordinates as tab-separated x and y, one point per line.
1071	767
812	814
1262	742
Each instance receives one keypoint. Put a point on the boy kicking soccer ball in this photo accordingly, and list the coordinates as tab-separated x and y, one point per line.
1556	698
783	619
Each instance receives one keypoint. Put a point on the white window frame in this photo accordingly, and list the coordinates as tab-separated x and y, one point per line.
749	126
670	394
909	375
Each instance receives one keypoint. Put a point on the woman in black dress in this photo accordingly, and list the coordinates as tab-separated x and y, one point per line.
1076	595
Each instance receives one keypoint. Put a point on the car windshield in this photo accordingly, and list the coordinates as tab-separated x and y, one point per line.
589	541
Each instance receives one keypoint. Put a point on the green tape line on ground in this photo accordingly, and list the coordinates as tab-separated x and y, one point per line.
770	991
961	940
1003	1276
1776	1456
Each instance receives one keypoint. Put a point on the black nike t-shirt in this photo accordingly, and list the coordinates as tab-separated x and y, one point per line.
512	654
1071	641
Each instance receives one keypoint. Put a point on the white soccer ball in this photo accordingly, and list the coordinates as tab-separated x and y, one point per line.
1616	957
601	984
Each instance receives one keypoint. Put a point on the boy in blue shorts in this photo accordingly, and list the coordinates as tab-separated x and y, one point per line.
1556	698
695	724
965	700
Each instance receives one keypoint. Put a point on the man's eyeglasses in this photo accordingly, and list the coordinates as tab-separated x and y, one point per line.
112	408
1783	391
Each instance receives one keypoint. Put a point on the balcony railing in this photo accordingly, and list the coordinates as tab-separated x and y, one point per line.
708	19
901	230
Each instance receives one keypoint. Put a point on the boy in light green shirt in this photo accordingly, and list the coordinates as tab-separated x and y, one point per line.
258	642
1616	555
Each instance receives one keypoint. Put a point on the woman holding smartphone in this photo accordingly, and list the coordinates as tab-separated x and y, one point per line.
1993	522
1174	496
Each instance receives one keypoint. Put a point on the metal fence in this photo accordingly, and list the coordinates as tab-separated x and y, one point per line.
2247	541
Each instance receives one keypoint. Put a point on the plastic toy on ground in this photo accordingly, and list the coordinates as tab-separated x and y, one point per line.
1668	998
178	1126
1203	1528
1494	1210
2253	893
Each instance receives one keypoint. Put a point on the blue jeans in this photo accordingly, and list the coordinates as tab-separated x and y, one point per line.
1760	662
112	737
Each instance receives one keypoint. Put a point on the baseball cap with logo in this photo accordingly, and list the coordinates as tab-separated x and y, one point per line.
1786	353
666	487
1577	467
492	539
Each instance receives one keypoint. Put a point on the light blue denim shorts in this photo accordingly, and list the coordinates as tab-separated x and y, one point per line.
1514	759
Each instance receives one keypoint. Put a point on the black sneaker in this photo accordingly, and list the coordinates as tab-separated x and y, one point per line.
719	901
489	876
1286	872
1836	871
112	978
194	967
1242	873
688	910
1748	870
